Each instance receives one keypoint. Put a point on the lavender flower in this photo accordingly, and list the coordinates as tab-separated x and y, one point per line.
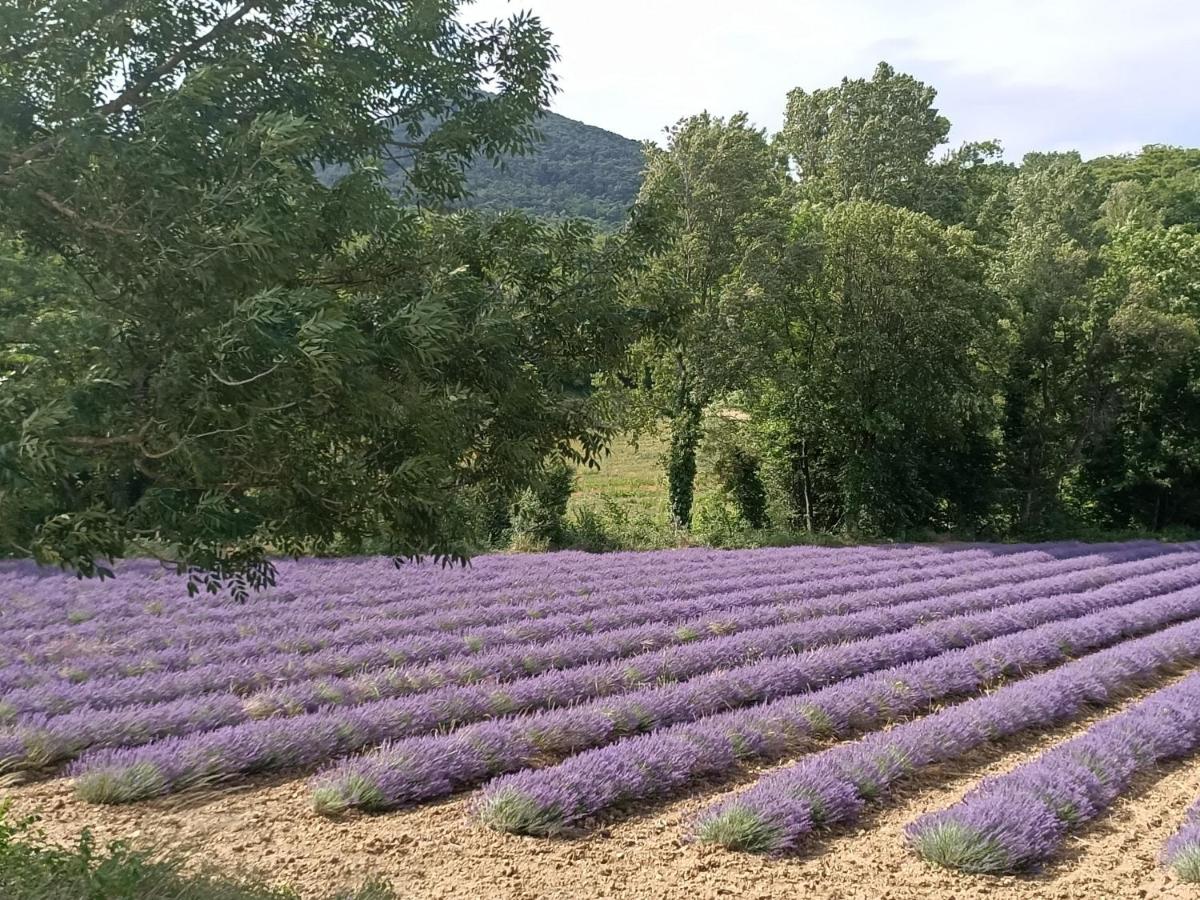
170	643
1021	818
420	769
1182	852
998	828
63	737
503	652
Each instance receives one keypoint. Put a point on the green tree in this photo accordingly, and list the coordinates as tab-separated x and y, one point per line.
713	177
227	355
873	330
1143	469
1168	179
1045	273
969	186
866	139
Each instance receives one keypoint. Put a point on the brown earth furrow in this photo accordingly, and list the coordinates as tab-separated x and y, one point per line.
438	851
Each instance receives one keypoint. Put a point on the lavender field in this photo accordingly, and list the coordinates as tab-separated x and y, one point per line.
568	689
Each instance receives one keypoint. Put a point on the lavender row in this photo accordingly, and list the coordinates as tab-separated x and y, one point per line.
751	639
1182	851
469	661
585	615
832	787
337	590
118	775
61	738
1020	819
54	740
404	771
40	597
169	646
547	801
115	633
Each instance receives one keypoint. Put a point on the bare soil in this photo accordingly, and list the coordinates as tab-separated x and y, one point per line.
439	851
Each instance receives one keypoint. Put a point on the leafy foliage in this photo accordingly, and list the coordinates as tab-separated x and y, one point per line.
226	355
681	463
871	367
1043	274
1166	179
242	315
927	343
738	470
864	140
712	180
1143	469
539	515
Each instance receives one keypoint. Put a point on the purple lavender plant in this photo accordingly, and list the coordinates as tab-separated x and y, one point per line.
175	645
663	763
735	683
397	666
519	661
667	760
1182	851
303	741
991	832
1017	820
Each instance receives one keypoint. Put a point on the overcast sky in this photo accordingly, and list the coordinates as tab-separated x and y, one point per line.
1100	76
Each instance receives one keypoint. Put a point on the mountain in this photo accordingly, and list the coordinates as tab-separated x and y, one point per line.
578	170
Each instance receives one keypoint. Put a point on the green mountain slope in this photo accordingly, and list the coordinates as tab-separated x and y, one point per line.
578	170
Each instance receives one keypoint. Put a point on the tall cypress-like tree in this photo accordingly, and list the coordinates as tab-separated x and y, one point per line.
711	179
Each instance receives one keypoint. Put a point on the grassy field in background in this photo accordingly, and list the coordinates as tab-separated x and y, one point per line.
630	476
622	505
634	479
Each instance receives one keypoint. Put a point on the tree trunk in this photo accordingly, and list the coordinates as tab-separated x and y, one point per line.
681	464
805	482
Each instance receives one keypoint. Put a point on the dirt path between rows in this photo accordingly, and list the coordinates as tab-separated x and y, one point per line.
439	852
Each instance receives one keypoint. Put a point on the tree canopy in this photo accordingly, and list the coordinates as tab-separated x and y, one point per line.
864	139
714	177
926	340
243	317
211	354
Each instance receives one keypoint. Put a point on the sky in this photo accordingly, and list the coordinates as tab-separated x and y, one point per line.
1098	76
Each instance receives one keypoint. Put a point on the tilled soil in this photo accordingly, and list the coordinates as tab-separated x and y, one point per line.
439	851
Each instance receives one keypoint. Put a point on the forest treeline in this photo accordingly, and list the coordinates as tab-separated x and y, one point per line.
924	340
212	354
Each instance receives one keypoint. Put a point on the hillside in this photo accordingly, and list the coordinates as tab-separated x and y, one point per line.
578	170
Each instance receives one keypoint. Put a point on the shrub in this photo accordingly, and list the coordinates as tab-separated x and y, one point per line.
738	470
539	515
610	525
718	524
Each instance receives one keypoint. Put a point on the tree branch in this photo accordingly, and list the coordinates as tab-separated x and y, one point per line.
74	215
252	378
20	51
132	94
97	443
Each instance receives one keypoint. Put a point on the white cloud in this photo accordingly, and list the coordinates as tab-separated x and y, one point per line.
1096	75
